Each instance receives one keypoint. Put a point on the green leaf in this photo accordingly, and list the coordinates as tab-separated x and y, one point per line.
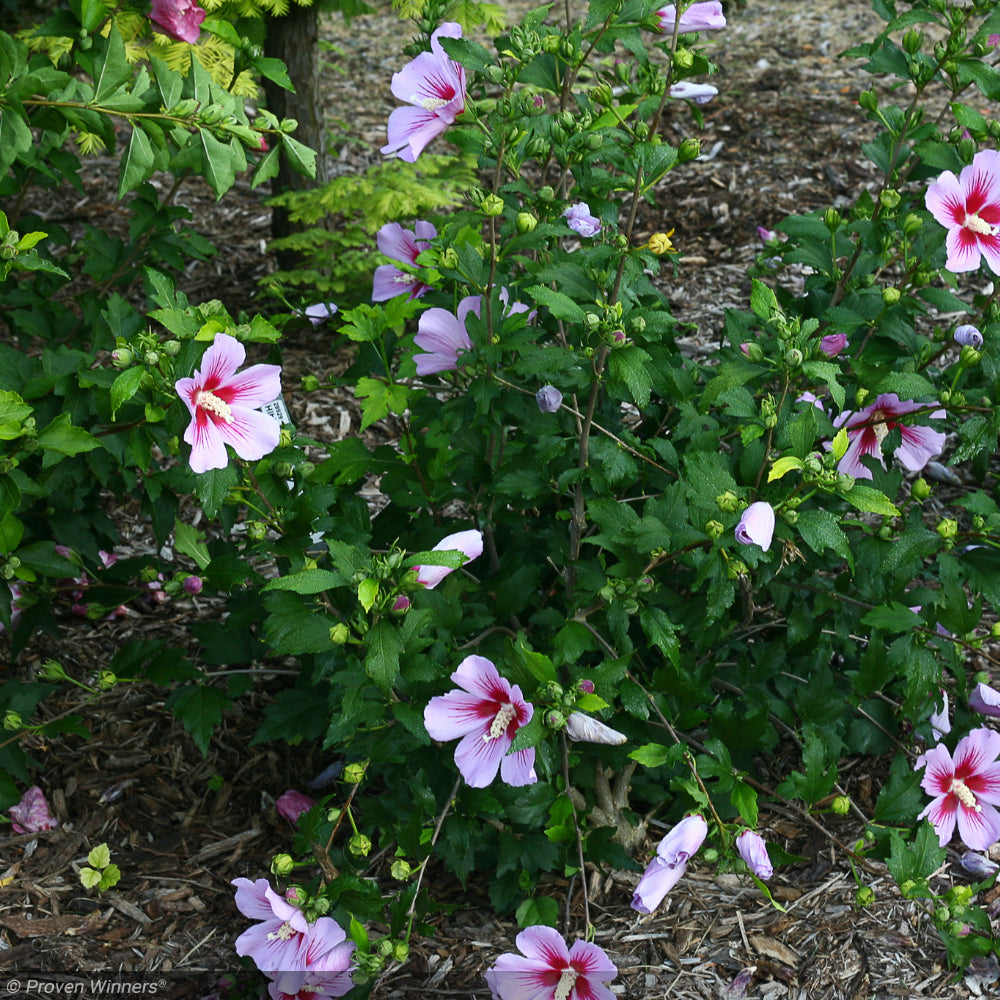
383	645
199	707
901	797
301	158
137	163
762	300
308	581
541	910
273	69
11	533
893	617
662	632
530	735
378	398
744	800
821	530
631	365
115	69
89	878
61	437
268	166
656	755
367	593
561	306
783	466
815	780
111	877
217	163
916	861
100	856
214	486
871	501
189	541
125	386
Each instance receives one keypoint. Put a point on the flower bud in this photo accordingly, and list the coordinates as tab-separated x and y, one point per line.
549	399
728	502
969	356
689	149
310	383
594	141
122	357
947	527
401	605
525	222
890	296
659	243
977	865
51	670
360	845
912	224
491	206
616	338
753	851
714	529
192	585
546	193
641	131
793	357
602	95
11	719
449	258
753	351
106	680
555	719
868	99
790	516
684	58
831	219
912	41
841	805
889	198
920	490
282	865
339	634
171	348
845	482
865	896
494	74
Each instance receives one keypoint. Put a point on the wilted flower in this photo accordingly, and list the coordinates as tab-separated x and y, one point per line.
756	526
585	729
579	219
292	804
867	429
940	723
404	245
485	713
470	543
753	851
32	813
547	970
966	788
223	406
178	19
549	399
670	863
698	17
435	85
969	207
285	941
985	700
687	90
832	344
967	335
766	235
977	865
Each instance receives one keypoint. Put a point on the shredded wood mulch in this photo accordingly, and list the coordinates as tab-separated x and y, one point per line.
784	135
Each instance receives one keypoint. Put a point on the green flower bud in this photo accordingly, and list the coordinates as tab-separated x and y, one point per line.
790	516
793	357
728	502
546	193
638	324
885	532
920	490
865	896
310	383
969	356
689	149
831	219
684	58
282	865
339	634
602	95
845	482
736	568
841	805
555	719
171	348
536	147
714	529
11	720
401	869
616	338
890	296
525	222
550	44
494	74
995	630
353	773
360	845
912	224
868	99
889	198
449	258
641	130
52	670
945	396
912	41
591	321
491	206
942	914
122	357
400	951
594	141
947	527
106	680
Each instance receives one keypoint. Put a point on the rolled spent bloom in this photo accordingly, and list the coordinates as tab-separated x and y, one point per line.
833	344
985	700
811	398
977	865
683	841
484	714
697	17
434	84
753	851
292	804
547	970
579	219
660	243
224	406
688	90
756	526
32	813
657	880
868	428
940	723
586	729
469	543
766	235
320	312
549	399
967	335
968	206
404	246
178	19
965	789
284	940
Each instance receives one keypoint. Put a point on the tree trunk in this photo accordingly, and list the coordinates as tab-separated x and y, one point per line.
294	39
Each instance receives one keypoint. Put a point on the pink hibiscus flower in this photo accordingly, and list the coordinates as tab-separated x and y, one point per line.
968	206
223	406
547	970
756	526
285	941
178	19
966	788
867	429
435	85
470	543
485	714
706	16
404	245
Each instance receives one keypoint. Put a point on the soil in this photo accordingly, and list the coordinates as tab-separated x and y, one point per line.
783	135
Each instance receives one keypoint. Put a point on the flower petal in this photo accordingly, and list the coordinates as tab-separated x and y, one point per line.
978	829
518	769
478	759
941	813
456	714
251	434
657	880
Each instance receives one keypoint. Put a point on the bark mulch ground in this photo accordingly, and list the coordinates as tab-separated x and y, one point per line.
783	136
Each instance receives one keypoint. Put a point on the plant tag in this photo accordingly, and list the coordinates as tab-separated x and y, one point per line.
277	409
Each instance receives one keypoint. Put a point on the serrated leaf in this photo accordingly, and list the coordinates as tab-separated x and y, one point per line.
100	856
529	735
841	442
383	644
368	593
561	306
870	501
89	878
762	300
199	708
893	617
308	581
213	487
124	387
656	755
821	530
189	541
61	437
111	877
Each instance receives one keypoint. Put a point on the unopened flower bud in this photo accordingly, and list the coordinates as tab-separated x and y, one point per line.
845	482
449	258
51	670
889	198
641	131
912	224
547	193
728	502
122	357
282	865
360	845
841	805
790	516
967	335
602	95
616	338
793	357
11	719
831	219
947	527
659	243
753	351
865	896
310	383
494	74
401	605
353	773
586	686
868	99
912	41
549	399
890	296
969	356
106	680
525	222
920	490
339	634
555	719
684	58
689	149
192	585
978	865
714	529
594	141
